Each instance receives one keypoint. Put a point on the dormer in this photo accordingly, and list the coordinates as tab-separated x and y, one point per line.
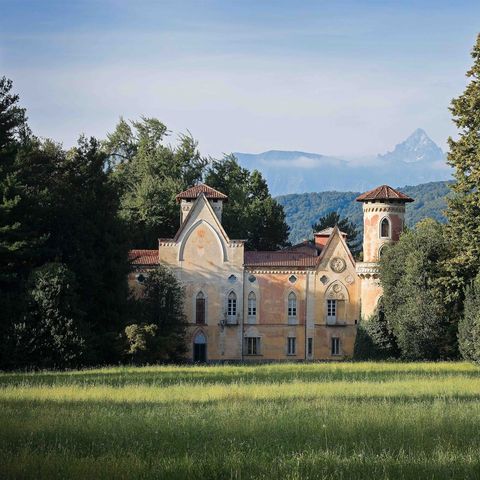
187	198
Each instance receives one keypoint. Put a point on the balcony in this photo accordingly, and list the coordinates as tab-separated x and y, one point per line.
336	322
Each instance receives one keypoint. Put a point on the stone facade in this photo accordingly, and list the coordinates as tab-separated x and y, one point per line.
300	303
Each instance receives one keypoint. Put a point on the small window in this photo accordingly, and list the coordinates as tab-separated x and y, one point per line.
141	278
335	346
252	278
232	307
385	228
292	346
310	346
200	308
292	279
331	309
324	279
252	345
292	306
232	278
252	305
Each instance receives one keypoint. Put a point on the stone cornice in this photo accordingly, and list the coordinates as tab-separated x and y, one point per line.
368	270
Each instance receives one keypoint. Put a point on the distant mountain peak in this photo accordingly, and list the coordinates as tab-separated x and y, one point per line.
418	147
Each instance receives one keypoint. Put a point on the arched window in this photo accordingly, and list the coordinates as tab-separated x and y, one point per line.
252	305
200	308
385	228
292	306
200	348
232	307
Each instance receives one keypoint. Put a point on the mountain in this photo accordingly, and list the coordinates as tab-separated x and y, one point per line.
418	147
416	160
302	210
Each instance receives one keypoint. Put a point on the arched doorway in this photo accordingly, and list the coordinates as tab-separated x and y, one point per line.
200	348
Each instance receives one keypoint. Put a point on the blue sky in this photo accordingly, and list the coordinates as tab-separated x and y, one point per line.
336	77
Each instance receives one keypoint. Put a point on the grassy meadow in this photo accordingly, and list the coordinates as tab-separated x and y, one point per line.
280	421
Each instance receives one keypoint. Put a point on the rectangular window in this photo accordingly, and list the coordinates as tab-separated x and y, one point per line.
252	307
252	345
292	346
331	311
310	346
232	307
335	346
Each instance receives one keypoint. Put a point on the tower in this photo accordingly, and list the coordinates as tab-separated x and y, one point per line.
383	222
187	198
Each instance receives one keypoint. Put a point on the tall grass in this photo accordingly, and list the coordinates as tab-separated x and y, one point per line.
282	421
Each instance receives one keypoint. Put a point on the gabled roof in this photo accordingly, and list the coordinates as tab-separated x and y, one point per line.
197	190
143	257
327	232
384	192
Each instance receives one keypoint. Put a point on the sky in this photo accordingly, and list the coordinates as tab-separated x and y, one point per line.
343	78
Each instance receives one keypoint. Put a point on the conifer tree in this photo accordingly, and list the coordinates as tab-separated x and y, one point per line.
464	206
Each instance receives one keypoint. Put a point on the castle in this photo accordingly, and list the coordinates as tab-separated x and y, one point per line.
300	303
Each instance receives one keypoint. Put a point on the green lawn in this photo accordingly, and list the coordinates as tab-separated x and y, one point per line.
282	421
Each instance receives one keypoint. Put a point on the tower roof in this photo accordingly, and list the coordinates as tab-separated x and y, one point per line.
197	190
384	192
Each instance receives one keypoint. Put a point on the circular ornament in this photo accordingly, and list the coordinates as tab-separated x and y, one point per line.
338	264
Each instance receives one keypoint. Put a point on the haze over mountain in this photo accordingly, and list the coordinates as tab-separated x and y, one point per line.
415	160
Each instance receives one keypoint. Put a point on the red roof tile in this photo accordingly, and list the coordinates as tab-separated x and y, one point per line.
384	192
282	258
197	190
143	257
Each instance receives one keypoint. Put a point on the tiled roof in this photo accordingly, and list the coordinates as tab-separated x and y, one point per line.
327	232
281	258
197	190
143	257
384	192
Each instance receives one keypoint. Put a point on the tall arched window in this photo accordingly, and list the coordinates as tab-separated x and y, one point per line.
252	305
200	308
232	307
385	228
292	307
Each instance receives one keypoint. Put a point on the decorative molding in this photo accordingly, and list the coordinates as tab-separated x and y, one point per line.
337	264
367	270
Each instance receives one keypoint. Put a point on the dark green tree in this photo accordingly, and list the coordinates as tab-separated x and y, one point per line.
159	331
375	339
49	336
149	174
414	301
469	324
464	205
344	224
250	213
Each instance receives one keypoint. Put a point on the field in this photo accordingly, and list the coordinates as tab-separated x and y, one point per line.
282	421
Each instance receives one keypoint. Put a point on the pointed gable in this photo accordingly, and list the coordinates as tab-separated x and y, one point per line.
333	241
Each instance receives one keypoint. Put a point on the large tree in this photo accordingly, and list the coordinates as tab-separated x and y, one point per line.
464	205
158	333
413	299
333	219
250	213
149	173
469	325
50	333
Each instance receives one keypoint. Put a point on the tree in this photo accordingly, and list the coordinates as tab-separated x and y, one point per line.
410	271
463	210
159	334
50	334
333	219
250	213
149	174
375	339
469	325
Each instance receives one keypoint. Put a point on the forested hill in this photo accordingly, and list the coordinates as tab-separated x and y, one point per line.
302	210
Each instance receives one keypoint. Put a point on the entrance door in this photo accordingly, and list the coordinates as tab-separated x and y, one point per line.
200	348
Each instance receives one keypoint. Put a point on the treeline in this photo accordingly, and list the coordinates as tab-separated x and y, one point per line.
67	220
430	308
